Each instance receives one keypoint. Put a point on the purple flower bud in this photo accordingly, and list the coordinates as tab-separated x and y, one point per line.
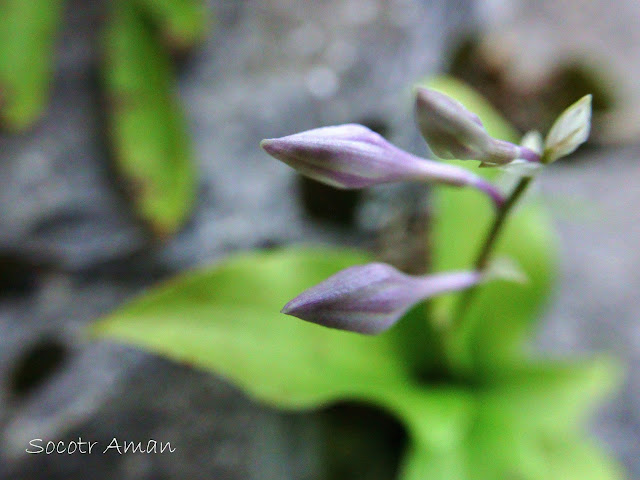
352	156
453	132
371	298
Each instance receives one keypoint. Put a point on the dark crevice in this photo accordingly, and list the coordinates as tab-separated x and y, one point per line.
324	203
38	364
269	244
18	275
362	442
376	124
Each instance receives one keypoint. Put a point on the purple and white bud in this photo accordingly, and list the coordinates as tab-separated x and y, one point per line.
453	132
371	298
352	156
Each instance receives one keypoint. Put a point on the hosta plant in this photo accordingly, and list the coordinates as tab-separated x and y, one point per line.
443	352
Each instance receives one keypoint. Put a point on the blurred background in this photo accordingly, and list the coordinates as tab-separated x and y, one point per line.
77	238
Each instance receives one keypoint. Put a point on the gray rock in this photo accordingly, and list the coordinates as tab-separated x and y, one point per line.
594	199
529	40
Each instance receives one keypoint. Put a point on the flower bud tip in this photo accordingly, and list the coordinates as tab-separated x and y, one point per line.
268	146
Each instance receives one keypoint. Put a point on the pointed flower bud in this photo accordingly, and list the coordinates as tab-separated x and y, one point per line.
453	132
371	298
352	156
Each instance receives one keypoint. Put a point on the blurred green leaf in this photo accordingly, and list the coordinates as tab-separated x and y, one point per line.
501	313
226	319
499	447
555	395
148	131
574	457
27	39
436	417
525	426
422	463
183	23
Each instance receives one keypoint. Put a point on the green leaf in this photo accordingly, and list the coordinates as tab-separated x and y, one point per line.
183	23
27	40
421	463
570	130
500	448
525	426
437	417
522	420
555	395
148	132
502	312
226	320
573	457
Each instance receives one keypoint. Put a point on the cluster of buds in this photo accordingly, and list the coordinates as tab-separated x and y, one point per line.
371	298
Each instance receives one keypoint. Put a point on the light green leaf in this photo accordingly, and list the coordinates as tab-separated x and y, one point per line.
500	448
148	132
421	463
27	39
436	417
556	396
528	425
501	313
183	23
226	320
523	419
525	426
574	457
569	131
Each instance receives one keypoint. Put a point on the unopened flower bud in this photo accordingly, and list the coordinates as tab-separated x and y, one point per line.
371	298
453	132
352	156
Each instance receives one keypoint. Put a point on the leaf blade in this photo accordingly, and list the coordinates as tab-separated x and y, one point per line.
149	136
27	40
226	320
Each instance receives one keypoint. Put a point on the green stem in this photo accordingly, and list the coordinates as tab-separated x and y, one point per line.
487	248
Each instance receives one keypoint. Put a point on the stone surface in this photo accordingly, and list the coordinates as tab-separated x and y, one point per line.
529	40
594	199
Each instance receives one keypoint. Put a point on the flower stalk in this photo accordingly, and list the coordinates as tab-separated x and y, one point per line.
484	255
